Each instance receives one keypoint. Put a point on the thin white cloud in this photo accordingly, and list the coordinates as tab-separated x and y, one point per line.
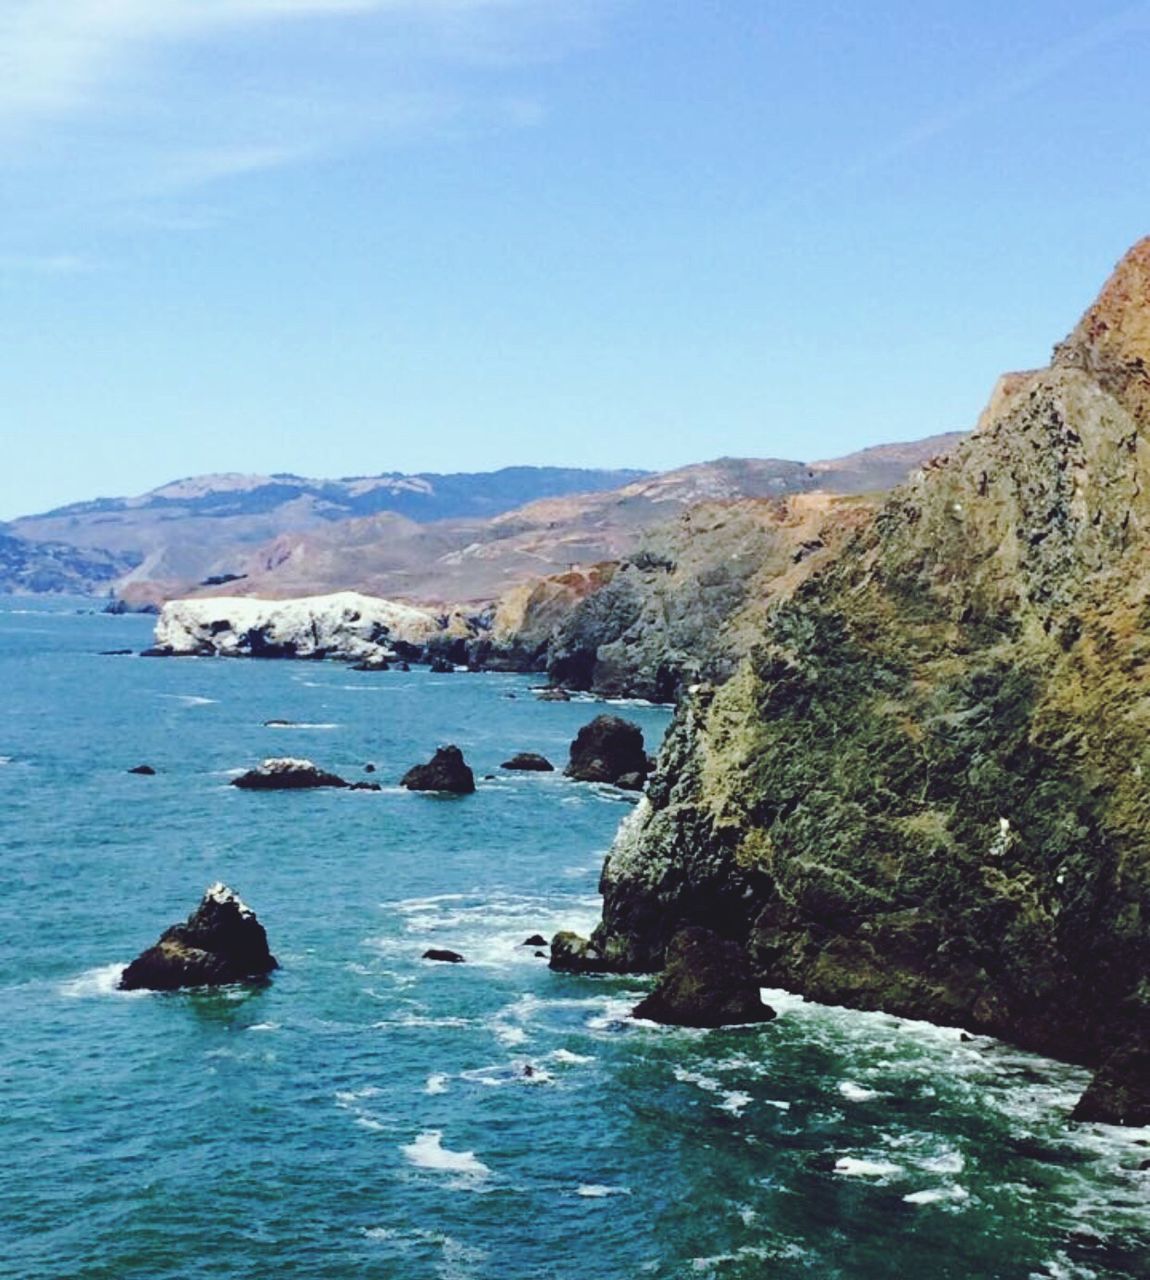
53	264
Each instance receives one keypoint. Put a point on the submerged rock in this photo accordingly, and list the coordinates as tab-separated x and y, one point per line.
439	666
145	769
606	750
375	662
707	982
445	771
446	957
552	695
283	773
220	942
529	761
536	940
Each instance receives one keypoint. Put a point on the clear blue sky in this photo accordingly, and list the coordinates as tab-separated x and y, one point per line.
344	236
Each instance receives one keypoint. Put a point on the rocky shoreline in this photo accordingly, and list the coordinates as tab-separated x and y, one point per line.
923	791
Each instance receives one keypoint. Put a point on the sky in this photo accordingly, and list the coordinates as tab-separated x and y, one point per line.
340	237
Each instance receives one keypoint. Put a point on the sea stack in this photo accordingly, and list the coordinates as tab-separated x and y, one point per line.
220	942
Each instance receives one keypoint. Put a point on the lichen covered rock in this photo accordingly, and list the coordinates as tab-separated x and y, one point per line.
924	791
220	942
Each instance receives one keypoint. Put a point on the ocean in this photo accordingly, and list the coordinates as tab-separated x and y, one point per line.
370	1114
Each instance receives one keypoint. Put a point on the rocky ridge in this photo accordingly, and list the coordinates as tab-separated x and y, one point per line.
924	790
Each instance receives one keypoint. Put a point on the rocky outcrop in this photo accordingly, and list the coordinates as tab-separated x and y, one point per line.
1120	1091
442	955
608	750
706	982
220	942
445	771
924	789
572	954
284	773
528	762
345	625
690	602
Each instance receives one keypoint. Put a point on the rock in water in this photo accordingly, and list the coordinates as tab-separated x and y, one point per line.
146	770
707	982
445	771
571	953
529	761
444	956
283	773
221	941
607	749
1120	1091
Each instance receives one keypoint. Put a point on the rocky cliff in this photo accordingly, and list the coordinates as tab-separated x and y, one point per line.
926	789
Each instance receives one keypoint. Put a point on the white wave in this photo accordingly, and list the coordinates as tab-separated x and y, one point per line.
938	1195
948	1162
428	1152
574	1059
853	1167
599	1191
5	760
103	981
436	1083
304	724
735	1102
264	1026
190	699
777	1103
857	1093
696	1078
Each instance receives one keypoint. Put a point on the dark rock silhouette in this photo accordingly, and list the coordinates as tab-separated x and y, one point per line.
707	982
529	761
445	771
220	942
607	749
145	769
447	957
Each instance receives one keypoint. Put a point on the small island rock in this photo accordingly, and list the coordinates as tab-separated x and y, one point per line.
446	957
607	749
529	761
221	941
706	982
445	771
146	769
283	773
536	940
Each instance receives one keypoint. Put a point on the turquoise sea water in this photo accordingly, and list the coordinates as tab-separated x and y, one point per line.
369	1114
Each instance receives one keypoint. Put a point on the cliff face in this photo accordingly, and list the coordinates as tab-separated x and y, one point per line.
926	789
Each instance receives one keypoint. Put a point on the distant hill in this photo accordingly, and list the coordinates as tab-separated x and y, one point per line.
206	526
56	568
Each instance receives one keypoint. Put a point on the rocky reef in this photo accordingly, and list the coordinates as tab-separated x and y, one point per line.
220	942
706	982
925	790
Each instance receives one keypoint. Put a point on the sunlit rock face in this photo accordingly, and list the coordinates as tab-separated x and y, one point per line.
926	789
342	625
